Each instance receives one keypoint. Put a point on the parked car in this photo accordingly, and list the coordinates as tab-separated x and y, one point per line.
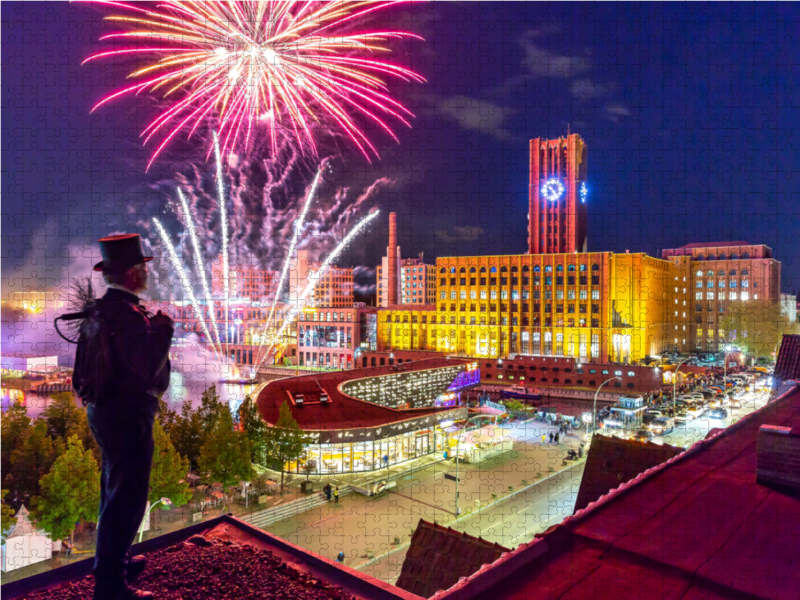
643	435
695	411
715	402
718	413
683	417
654	413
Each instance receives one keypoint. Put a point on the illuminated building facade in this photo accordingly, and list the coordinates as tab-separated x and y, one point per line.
330	338
416	285
358	421
723	274
335	287
595	307
558	194
245	281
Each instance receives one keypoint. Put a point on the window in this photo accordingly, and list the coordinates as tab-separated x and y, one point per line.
483	294
463	295
559	294
732	295
698	295
709	284
745	296
452	294
745	283
699	274
631	374
709	295
570	294
582	268
493	294
503	294
548	269
595	294
583	295
442	295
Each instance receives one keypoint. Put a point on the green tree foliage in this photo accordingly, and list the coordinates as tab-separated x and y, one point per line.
226	453
211	409
166	416
70	492
7	516
168	471
63	416
14	428
186	433
285	442
33	460
250	422
756	326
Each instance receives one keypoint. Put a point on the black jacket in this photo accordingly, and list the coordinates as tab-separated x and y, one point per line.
139	353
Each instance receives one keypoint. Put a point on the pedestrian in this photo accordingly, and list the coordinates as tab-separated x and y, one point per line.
122	395
556	437
336	495
544	437
551	437
328	491
340	557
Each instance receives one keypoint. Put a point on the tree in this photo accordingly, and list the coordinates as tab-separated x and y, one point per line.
14	428
62	415
211	409
226	453
186	433
33	460
166	416
756	326
250	422
7	518
70	492
168	471
285	442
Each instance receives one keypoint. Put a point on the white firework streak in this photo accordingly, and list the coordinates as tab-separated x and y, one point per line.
313	280
199	268
223	216
298	226
187	287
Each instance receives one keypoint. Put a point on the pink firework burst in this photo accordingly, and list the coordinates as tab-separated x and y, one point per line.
288	65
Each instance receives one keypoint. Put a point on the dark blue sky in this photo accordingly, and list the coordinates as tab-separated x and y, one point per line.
688	110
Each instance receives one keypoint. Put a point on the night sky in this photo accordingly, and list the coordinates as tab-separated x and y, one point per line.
687	109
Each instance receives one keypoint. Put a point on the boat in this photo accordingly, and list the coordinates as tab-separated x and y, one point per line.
520	392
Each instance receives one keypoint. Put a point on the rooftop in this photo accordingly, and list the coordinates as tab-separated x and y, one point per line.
787	365
221	559
341	411
697	526
717	244
439	556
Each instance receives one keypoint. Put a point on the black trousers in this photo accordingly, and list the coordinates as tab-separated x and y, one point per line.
125	436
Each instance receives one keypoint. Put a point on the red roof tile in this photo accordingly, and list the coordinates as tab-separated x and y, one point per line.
787	365
697	526
438	557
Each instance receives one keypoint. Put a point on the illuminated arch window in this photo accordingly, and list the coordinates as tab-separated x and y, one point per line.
493	270
699	274
548	269
452	269
559	268
571	268
710	273
537	268
720	273
582	268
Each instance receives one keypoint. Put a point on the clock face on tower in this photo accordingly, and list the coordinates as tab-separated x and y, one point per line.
553	189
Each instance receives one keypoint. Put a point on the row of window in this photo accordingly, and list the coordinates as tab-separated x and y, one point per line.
548	280
579	370
721	273
525	269
535	321
721	284
722	256
544	380
721	296
517	294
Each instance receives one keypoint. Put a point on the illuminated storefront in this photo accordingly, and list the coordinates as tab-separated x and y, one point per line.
377	448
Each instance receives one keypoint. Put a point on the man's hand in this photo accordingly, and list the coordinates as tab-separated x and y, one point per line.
160	319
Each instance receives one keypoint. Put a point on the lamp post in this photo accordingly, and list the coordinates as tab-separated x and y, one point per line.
165	501
458	443
728	349
594	404
675	383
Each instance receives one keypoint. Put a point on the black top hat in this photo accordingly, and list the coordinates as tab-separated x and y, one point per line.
121	252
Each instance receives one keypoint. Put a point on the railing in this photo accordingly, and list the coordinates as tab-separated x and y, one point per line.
495	405
268	516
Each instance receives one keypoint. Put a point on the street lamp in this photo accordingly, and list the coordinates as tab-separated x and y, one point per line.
165	501
594	404
458	442
675	383
728	349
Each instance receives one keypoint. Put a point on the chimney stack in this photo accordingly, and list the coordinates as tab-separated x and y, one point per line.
778	456
391	253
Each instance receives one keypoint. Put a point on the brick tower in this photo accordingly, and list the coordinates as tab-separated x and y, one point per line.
557	196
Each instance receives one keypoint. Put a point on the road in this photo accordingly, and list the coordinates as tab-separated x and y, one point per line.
513	506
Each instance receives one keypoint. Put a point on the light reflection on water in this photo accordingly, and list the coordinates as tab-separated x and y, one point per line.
182	387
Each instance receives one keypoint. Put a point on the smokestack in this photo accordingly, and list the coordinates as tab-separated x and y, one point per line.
391	253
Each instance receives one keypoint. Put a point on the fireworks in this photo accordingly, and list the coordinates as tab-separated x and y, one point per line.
291	66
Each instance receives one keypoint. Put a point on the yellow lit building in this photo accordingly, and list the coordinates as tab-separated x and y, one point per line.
593	306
